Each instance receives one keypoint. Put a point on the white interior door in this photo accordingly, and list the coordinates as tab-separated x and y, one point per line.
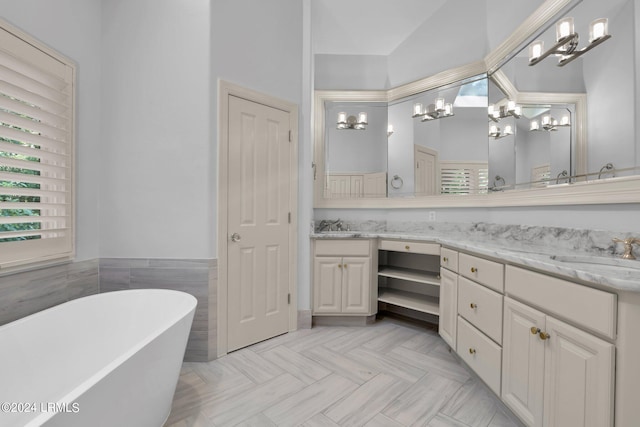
258	216
426	167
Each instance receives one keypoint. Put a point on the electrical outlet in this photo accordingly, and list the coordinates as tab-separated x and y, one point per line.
432	216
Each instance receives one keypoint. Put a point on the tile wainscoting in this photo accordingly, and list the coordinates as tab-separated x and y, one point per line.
28	292
197	277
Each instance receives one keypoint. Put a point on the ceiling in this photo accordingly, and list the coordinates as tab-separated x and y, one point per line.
366	27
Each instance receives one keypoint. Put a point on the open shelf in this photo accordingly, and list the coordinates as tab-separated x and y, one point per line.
417	276
411	300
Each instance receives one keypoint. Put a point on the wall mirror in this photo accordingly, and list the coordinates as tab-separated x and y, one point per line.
573	139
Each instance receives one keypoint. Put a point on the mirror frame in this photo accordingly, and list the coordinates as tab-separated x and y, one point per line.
606	191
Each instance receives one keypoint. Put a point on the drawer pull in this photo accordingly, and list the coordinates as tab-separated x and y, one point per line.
472	351
544	336
534	330
474	270
407	247
473	306
339	265
345	265
445	259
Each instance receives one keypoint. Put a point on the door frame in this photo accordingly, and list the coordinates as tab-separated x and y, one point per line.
225	90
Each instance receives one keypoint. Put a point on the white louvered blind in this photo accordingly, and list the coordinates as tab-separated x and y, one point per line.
464	177
36	151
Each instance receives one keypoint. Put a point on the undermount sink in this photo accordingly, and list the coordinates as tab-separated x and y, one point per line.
585	259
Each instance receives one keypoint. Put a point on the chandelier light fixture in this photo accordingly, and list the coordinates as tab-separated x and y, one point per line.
549	124
439	110
496	133
352	122
567	41
508	110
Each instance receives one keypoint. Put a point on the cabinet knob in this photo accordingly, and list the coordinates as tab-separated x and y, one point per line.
474	270
339	265
345	265
472	351
534	330
544	336
473	306
407	247
445	259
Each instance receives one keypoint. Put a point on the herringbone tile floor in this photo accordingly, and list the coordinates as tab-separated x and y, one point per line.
392	373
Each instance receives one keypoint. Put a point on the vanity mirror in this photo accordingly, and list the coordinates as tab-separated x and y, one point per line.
591	157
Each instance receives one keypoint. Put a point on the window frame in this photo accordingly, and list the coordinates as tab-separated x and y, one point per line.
27	254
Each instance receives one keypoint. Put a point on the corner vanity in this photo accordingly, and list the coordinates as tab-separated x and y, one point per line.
554	339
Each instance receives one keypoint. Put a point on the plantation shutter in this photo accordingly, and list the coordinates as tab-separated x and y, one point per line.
464	178
36	152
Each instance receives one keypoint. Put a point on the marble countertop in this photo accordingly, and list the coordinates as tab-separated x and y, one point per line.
593	270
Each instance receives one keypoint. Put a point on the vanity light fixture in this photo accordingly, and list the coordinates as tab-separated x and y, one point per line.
352	122
439	110
496	133
389	130
549	124
567	41
509	110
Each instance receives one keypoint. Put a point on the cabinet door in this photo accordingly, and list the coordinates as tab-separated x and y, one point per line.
523	362
448	307
356	285
327	278
579	378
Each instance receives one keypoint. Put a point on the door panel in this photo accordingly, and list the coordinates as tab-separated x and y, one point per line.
579	378
327	285
523	362
258	208
355	285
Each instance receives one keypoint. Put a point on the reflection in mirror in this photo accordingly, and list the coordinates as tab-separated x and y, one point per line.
440	150
606	74
356	153
530	145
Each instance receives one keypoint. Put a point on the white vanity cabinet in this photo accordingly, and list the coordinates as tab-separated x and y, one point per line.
447	325
342	277
553	373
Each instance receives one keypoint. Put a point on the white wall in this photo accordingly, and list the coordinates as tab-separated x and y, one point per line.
156	147
72	27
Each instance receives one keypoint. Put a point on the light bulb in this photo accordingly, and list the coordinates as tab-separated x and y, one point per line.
598	29
564	28
565	121
342	117
362	118
417	109
448	109
439	104
534	125
535	50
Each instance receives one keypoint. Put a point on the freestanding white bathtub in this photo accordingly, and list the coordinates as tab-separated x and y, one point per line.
110	359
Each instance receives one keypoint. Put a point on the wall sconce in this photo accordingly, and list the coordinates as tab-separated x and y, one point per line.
496	133
352	122
439	110
509	110
567	41
389	130
549	124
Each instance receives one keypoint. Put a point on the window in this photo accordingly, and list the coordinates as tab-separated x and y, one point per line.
464	177
36	151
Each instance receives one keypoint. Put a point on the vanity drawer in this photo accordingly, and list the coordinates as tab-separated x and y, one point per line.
480	353
449	259
482	307
594	309
409	246
489	273
346	247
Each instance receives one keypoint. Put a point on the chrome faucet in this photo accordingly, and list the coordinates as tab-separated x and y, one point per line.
324	224
607	167
628	246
